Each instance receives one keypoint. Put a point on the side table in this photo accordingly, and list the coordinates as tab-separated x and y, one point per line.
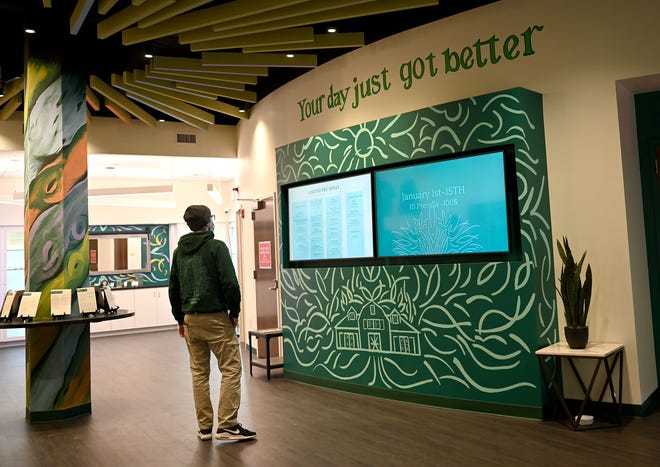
606	355
268	363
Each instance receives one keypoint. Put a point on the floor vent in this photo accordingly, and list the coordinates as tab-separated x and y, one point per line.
186	138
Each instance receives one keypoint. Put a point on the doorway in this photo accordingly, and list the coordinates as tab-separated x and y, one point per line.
12	272
265	272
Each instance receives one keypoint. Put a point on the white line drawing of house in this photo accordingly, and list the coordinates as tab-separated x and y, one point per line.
374	329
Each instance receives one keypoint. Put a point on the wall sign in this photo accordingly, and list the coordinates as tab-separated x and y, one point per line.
265	255
479	54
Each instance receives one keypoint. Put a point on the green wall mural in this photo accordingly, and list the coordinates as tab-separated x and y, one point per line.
461	334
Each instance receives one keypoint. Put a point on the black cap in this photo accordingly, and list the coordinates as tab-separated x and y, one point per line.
197	217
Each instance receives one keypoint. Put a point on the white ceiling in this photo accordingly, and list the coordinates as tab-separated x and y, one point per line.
103	167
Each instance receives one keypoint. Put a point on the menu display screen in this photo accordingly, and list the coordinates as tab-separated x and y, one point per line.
441	209
452	206
331	219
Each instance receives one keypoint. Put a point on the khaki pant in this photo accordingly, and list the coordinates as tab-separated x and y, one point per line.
214	332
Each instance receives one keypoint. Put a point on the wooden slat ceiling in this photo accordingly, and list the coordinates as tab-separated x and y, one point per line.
211	60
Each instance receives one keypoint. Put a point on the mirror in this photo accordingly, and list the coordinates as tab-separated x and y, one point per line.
119	253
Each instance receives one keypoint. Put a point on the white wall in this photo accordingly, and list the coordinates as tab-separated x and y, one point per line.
112	136
185	194
584	48
134	212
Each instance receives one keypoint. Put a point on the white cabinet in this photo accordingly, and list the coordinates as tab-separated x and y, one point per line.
145	308
125	300
150	305
102	326
164	313
154	305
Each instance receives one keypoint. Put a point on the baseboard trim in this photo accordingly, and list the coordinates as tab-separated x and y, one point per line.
437	401
649	404
58	415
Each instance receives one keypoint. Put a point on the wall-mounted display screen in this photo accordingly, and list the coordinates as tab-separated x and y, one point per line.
332	219
447	207
441	209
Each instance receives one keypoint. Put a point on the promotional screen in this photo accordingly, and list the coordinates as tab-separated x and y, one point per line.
331	219
447	207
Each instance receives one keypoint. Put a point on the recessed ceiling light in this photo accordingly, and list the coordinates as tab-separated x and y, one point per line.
289	55
332	30
30	31
148	56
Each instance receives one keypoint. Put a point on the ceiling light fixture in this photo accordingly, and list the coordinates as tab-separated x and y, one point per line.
133	203
131	190
120	191
213	193
12	202
30	31
148	51
331	30
289	55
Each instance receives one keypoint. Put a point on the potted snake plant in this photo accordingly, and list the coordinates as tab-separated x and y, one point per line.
575	295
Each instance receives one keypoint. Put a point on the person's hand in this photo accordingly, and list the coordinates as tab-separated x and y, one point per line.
181	333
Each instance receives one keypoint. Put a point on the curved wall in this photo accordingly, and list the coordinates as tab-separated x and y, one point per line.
453	334
582	51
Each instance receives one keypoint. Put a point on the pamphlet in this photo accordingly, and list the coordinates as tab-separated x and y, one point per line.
87	299
109	298
6	305
12	303
60	302
29	305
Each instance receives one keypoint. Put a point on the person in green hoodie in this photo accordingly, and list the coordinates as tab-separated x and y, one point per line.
206	299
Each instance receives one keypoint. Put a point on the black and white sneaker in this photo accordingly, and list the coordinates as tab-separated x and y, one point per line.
205	434
235	433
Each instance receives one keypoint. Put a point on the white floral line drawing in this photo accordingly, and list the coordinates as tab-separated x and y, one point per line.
430	234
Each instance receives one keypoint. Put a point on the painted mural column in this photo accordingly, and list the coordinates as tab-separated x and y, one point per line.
56	225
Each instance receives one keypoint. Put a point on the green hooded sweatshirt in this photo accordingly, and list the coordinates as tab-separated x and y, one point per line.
203	279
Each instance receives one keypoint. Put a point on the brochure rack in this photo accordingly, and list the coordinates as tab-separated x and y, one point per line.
78	324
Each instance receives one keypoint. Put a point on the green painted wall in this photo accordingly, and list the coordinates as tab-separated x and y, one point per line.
647	113
475	326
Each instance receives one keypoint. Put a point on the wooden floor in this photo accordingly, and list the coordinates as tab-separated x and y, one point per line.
143	416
